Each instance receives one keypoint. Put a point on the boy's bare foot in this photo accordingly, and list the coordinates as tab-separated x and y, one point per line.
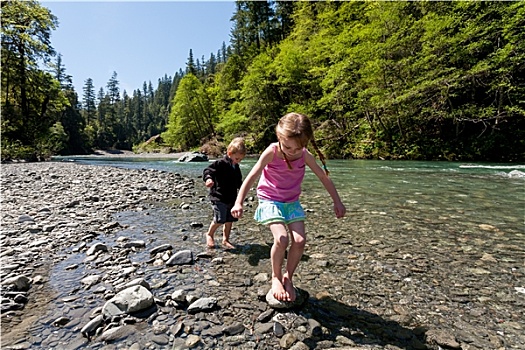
227	244
278	290
210	242
289	288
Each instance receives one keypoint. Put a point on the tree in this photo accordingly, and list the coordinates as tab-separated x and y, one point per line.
113	89
28	92
88	102
59	72
252	28
192	117
284	15
190	65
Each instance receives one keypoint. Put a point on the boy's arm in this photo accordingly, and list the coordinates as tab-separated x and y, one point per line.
339	207
208	174
209	171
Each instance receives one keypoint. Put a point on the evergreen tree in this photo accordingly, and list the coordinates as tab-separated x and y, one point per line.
284	15
223	54
190	65
211	64
67	134
252	27
88	102
137	112
113	89
75	140
59	72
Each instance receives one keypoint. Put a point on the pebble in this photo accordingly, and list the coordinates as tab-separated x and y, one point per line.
111	258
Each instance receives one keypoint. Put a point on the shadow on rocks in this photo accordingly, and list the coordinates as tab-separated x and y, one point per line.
255	252
149	313
348	324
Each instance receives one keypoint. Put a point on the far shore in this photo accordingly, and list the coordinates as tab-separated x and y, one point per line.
130	154
127	154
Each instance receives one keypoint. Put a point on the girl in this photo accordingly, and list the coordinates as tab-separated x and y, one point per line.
281	168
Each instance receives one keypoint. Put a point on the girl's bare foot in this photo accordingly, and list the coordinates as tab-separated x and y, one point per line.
278	290
227	244
210	242
289	288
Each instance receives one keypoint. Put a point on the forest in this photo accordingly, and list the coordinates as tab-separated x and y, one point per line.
414	80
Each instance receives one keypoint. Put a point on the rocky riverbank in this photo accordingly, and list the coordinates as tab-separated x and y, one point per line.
106	258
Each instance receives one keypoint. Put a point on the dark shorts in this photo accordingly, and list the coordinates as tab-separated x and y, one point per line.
222	213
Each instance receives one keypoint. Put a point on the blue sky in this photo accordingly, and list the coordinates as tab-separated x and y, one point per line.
141	41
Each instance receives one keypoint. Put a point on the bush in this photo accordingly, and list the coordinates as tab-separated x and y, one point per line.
16	151
213	148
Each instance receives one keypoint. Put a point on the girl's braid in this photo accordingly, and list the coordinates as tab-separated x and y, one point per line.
321	156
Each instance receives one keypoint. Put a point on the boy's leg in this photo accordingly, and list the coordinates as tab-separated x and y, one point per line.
280	243
226	235
298	235
210	242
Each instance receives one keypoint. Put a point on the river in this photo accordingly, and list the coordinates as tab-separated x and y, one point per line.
473	193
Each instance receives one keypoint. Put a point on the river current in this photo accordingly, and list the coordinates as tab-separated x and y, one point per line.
476	193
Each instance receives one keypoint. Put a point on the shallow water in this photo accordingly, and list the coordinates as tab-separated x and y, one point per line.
484	193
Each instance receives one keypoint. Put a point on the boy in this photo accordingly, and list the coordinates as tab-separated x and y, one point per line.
223	177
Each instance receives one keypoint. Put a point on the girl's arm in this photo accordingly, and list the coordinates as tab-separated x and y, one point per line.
339	207
265	158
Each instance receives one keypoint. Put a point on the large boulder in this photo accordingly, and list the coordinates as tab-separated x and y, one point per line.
193	157
128	301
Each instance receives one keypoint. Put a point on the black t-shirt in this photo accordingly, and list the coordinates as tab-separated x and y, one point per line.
227	180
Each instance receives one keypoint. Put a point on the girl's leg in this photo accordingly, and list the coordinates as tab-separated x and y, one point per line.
210	242
226	235
280	243
298	235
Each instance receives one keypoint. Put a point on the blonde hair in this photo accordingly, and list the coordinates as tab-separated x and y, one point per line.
237	146
298	127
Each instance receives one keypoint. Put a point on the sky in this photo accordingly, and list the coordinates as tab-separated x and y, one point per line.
141	41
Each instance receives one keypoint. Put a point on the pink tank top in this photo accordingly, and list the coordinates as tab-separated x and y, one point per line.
278	182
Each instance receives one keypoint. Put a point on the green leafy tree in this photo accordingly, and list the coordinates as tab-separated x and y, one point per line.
29	95
192	117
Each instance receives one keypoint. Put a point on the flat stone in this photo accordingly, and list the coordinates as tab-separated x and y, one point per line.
300	297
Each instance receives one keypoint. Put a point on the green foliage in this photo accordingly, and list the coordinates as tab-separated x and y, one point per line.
192	116
51	143
14	150
32	99
151	147
388	80
233	122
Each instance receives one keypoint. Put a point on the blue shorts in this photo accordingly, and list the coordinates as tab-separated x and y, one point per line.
222	213
269	212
